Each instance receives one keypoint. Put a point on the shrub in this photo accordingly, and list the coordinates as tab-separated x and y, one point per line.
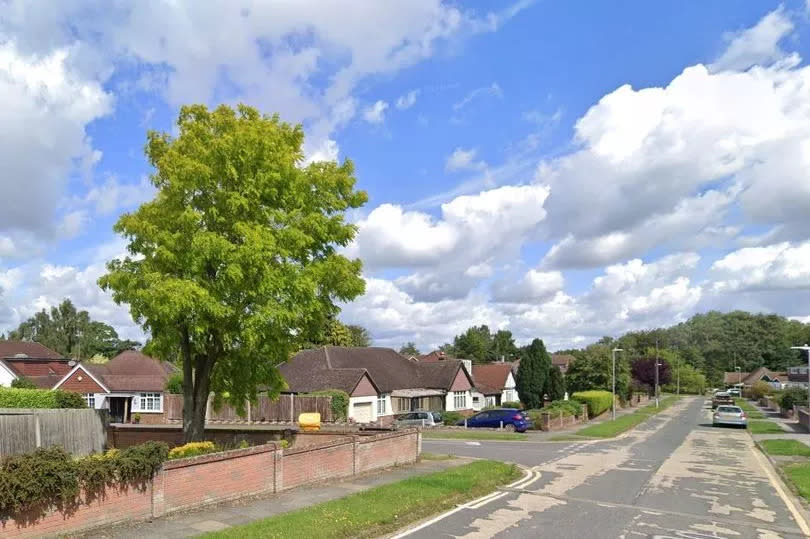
511	404
793	396
192	449
451	418
40	398
760	389
566	407
340	402
46	477
23	383
597	401
174	384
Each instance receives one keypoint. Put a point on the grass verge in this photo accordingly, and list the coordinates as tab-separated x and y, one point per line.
610	428
799	477
435	456
383	509
749	409
791	448
470	434
764	427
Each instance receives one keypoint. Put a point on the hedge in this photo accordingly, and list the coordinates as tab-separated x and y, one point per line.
570	407
40	398
34	482
451	418
597	401
340	402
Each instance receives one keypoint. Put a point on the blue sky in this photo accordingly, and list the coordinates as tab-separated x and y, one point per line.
562	169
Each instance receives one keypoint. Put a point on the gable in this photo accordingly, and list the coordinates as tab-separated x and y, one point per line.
364	388
510	382
460	382
80	381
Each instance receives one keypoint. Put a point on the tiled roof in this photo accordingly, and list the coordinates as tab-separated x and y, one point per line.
44	373
490	378
749	378
132	371
562	360
10	349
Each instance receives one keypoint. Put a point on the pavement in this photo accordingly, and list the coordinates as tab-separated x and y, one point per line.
793	430
673	476
246	510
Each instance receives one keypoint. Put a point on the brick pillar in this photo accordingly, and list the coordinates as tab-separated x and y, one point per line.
157	485
278	468
418	443
355	443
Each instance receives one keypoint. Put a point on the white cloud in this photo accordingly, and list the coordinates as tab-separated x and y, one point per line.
758	45
780	266
535	285
113	195
408	100
375	114
493	90
462	159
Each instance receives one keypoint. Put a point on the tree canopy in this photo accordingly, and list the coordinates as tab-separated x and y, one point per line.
234	263
532	373
72	333
409	349
593	369
480	345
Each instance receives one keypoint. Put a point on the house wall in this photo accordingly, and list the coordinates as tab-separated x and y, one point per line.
190	483
6	377
354	401
461	382
364	388
81	382
509	393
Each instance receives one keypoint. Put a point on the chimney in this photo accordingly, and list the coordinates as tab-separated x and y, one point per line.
503	359
441	355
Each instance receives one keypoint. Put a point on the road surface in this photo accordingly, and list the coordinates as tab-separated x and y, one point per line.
674	476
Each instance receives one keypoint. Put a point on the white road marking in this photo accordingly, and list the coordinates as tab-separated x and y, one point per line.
472	443
779	490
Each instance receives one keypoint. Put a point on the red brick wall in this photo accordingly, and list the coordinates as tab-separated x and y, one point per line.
85	385
211	478
151	418
317	462
195	482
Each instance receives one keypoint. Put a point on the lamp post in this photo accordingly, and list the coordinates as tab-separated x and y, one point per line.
806	348
739	384
656	373
613	404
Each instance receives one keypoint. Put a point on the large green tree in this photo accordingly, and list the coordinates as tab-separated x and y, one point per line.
235	261
532	373
409	349
593	369
555	384
72	333
480	345
359	335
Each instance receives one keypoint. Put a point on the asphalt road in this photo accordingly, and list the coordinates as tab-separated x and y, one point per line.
674	476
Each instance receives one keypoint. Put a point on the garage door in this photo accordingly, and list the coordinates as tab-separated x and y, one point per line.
362	412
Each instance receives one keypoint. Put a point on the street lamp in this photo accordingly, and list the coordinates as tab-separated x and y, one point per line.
739	383
806	349
613	407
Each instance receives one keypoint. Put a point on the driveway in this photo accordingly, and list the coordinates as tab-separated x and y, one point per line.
674	476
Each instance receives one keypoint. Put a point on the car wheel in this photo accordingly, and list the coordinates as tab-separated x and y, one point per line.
509	428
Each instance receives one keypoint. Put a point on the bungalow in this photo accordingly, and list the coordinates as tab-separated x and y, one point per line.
129	383
380	382
797	376
32	361
495	382
562	361
748	379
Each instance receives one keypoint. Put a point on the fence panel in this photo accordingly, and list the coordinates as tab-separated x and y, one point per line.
284	408
79	432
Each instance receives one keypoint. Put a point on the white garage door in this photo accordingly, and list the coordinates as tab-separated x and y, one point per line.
362	412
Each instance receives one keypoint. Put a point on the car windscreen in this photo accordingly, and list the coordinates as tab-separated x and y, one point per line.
729	409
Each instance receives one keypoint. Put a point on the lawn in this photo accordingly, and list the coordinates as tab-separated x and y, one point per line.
764	427
799	475
610	428
383	509
470	434
749	409
435	456
793	448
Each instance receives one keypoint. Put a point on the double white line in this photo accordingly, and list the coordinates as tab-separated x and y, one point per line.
531	476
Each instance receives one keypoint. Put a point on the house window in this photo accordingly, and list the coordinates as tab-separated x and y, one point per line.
460	400
149	402
90	399
381	405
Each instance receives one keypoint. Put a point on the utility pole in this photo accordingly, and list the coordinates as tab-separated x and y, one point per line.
656	373
613	405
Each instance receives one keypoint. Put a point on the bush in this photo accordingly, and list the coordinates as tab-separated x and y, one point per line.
174	384
511	404
451	418
760	389
793	396
573	408
23	383
192	449
50	477
596	400
40	398
340	402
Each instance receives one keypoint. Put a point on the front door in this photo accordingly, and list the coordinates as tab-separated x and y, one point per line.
119	409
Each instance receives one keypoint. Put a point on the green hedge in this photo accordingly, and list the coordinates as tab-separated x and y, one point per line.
570	407
340	402
596	400
511	404
34	482
451	418
40	398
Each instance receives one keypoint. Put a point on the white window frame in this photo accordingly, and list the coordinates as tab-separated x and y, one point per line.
150	402
381	405
90	400
460	400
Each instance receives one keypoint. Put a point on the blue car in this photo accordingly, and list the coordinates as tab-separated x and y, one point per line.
510	419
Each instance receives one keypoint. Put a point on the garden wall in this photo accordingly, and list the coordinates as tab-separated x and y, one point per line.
198	481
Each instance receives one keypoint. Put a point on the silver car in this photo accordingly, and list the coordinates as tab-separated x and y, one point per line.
729	415
420	419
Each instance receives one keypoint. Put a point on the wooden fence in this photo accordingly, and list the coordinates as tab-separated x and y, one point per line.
80	432
286	408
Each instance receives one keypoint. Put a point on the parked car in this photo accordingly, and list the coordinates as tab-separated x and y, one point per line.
510	419
729	415
734	392
419	419
720	398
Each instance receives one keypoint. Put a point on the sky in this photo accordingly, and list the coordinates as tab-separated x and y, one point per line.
564	170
